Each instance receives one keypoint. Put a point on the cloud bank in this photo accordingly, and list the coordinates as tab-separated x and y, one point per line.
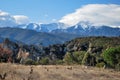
21	19
7	20
96	14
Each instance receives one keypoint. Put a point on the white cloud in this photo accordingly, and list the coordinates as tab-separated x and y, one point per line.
21	19
7	20
96	14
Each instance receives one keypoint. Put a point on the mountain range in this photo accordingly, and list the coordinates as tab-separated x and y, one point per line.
41	27
33	37
82	28
54	33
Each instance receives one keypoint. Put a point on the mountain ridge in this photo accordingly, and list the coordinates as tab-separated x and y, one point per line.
48	34
34	37
82	28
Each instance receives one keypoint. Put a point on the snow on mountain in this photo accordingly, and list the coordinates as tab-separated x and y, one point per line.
33	26
42	27
86	29
82	27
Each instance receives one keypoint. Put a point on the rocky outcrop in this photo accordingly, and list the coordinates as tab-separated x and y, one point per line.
21	52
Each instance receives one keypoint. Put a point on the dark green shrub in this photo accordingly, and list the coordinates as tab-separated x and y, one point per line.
60	62
30	62
44	61
68	58
78	56
112	57
74	57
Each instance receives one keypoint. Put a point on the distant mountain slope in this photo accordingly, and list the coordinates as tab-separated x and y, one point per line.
54	33
33	37
41	27
81	28
90	31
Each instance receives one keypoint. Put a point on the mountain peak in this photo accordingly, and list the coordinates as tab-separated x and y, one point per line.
84	24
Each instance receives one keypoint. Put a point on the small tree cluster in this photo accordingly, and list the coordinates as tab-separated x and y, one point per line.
112	57
44	61
74	57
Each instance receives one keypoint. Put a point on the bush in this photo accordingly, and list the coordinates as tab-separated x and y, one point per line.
100	65
59	62
74	57
78	56
112	57
30	62
68	58
44	61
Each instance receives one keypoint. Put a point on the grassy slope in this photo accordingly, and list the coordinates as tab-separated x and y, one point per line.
56	72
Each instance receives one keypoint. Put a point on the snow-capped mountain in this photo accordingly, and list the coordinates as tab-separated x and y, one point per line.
89	30
54	33
42	27
81	28
33	26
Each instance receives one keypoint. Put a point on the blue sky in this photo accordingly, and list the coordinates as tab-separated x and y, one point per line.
47	10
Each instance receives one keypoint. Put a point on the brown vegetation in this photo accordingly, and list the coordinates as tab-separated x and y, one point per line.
5	54
55	72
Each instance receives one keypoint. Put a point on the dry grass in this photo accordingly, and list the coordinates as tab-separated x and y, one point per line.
55	72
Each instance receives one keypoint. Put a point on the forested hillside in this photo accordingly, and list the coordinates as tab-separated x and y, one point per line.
89	51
